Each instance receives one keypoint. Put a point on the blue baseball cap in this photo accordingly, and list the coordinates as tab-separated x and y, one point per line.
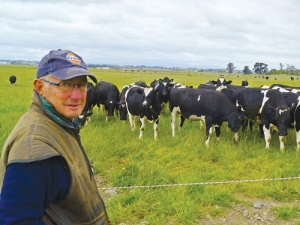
64	65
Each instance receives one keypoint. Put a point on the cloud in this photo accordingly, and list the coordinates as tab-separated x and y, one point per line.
165	33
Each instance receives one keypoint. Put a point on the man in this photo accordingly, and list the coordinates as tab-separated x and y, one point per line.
47	176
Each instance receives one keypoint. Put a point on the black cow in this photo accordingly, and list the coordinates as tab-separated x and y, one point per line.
108	95
245	83
143	102
89	105
122	106
12	80
208	105
266	107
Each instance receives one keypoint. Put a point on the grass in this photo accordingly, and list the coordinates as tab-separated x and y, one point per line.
124	160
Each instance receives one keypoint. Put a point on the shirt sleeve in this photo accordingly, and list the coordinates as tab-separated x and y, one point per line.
28	188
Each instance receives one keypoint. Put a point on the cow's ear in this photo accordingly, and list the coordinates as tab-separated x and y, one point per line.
160	80
171	80
229	82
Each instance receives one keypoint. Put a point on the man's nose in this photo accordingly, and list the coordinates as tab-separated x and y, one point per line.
76	94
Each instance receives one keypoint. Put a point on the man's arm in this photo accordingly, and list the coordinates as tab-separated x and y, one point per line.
28	188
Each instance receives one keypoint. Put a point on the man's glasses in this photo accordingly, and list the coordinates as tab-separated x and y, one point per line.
67	87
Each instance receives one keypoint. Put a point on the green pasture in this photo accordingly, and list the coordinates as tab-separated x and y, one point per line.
122	160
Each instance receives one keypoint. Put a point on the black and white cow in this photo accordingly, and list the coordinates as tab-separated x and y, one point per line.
143	102
268	108
89	105
12	80
228	92
294	89
208	105
122	106
108	95
292	97
163	86
220	82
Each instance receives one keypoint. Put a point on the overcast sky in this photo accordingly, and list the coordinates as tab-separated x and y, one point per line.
171	33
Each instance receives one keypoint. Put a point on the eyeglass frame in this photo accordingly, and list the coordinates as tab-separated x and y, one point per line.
59	84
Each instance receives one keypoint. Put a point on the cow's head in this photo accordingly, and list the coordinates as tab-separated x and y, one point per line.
111	106
282	115
123	111
83	118
164	86
235	120
221	82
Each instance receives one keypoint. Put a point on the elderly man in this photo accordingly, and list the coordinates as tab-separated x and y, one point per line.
47	177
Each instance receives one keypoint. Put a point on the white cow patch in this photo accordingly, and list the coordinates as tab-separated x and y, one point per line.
198	98
282	111
237	105
194	117
147	90
265	99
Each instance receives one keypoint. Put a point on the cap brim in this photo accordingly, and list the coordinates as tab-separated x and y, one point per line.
71	72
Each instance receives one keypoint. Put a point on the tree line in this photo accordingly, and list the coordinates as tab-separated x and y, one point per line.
262	68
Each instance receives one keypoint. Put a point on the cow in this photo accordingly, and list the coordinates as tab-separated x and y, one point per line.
12	80
208	105
89	105
108	95
223	89
294	89
122	106
245	83
266	107
143	102
292	98
163	86
220	82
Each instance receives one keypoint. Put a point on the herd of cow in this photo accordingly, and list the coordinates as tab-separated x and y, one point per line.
272	108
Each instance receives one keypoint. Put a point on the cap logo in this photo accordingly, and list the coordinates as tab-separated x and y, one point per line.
73	58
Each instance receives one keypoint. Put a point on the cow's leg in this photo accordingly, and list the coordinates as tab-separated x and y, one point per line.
173	120
142	127
217	131
267	135
131	121
155	128
298	139
282	139
201	123
98	109
209	129
182	119
236	138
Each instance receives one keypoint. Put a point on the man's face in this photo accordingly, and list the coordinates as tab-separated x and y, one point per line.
69	104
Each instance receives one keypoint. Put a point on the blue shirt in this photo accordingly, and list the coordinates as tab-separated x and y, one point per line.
28	188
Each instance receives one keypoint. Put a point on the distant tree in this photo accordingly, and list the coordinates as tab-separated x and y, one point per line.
230	67
290	68
246	70
281	66
260	68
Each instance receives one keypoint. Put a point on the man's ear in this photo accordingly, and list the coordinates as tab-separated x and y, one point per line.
38	86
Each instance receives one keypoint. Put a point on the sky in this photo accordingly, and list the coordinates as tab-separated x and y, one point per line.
169	33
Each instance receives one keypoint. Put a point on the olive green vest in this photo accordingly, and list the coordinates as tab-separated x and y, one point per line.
39	135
